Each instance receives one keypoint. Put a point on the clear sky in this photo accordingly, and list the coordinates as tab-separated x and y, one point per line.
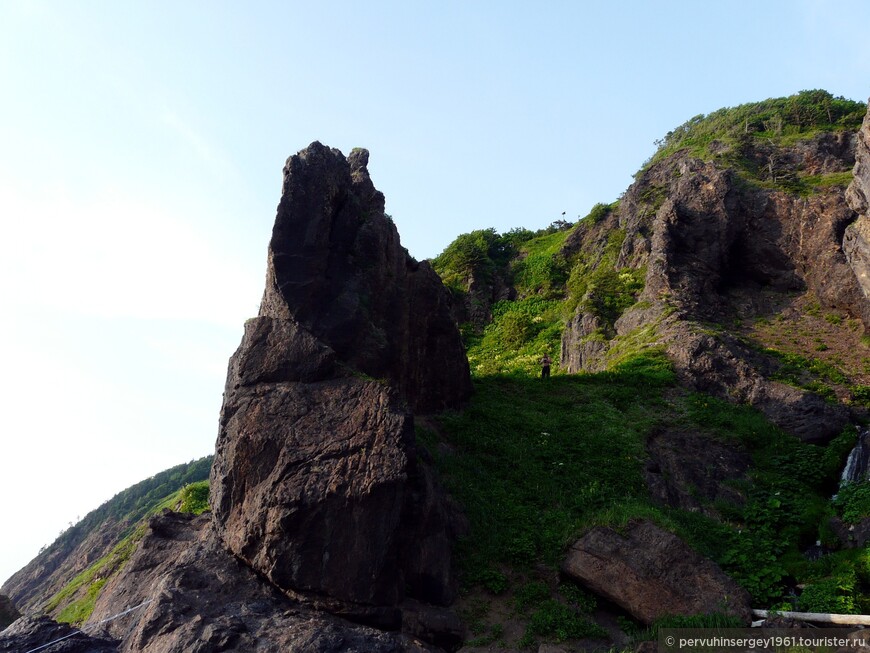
141	147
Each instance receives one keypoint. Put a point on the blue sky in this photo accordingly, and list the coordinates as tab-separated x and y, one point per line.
141	147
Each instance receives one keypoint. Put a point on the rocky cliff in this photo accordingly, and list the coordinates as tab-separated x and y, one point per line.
316	482
856	237
721	249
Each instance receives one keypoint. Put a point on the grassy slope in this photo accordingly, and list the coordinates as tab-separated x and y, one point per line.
535	463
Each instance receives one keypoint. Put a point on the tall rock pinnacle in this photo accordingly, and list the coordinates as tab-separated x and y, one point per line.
316	482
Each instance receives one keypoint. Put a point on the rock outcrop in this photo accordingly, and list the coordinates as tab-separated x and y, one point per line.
706	238
38	633
316	482
337	268
326	520
856	239
204	599
651	573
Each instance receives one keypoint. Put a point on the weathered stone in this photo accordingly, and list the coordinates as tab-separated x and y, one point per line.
858	192
202	600
705	237
652	573
583	344
316	482
309	485
856	246
337	268
37	632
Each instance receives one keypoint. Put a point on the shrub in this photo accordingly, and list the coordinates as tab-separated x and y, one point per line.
853	502
194	498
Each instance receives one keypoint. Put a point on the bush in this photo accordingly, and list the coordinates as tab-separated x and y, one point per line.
194	498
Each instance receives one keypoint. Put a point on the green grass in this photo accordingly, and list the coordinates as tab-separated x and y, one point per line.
519	335
540	459
534	463
539	269
779	121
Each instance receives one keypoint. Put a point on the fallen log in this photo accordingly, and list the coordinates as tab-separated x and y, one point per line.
817	617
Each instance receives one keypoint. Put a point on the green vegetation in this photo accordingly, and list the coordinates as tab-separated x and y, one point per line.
816	376
853	502
194	498
540	268
535	463
520	333
778	121
597	286
88	584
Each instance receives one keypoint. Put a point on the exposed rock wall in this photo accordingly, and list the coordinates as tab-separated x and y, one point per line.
336	266
703	234
856	239
316	482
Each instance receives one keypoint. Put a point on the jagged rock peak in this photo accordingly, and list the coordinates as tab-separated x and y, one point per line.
316	482
337	267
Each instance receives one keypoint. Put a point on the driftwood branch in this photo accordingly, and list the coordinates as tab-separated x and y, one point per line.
817	617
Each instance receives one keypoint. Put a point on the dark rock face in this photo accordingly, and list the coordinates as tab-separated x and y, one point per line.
35	633
8	611
316	482
652	573
337	267
311	490
856	239
202	599
582	346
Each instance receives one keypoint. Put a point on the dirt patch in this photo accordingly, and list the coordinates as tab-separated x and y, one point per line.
796	324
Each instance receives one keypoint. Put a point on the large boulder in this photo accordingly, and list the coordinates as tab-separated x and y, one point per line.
652	573
316	482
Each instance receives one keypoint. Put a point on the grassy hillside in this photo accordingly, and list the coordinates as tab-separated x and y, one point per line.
748	137
536	462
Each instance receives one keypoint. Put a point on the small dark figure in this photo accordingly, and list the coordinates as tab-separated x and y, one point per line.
545	367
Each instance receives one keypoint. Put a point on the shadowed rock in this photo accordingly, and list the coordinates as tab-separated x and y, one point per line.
38	632
336	266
